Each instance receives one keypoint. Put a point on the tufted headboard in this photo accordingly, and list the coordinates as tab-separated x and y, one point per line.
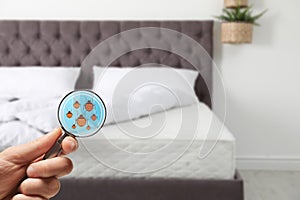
67	43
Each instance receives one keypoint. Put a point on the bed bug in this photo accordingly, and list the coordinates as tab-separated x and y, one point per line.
89	106
94	117
69	114
81	121
88	128
76	104
74	126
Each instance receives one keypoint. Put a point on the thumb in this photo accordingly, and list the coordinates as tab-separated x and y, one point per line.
26	153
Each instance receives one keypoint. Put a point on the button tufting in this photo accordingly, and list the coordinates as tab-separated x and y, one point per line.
7	51
87	51
65	43
69	50
199	35
28	50
57	36
48	51
98	37
17	35
179	35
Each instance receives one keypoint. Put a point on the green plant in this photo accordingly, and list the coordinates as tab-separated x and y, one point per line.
240	14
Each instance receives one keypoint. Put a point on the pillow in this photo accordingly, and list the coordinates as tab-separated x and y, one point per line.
37	81
130	93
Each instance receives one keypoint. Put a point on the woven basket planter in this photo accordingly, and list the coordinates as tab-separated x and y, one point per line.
237	32
235	3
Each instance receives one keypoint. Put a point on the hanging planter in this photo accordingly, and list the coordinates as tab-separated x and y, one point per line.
235	3
236	32
237	24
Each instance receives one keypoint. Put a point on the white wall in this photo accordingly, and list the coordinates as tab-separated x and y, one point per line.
263	92
262	79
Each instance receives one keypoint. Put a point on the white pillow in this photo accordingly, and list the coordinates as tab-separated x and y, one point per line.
37	81
130	93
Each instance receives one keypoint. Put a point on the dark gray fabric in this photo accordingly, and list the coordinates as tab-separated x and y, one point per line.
67	43
151	189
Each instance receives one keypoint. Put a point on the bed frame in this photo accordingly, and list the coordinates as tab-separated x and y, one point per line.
67	43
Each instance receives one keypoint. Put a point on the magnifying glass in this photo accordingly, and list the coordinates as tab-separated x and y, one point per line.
81	113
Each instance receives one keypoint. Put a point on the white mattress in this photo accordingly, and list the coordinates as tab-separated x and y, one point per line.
111	153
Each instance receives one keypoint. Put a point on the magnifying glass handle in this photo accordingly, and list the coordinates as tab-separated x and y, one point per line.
56	148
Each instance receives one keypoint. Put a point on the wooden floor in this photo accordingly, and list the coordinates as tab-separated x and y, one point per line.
271	185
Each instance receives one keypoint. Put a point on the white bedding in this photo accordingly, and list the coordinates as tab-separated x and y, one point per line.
16	132
25	119
25	116
98	157
101	160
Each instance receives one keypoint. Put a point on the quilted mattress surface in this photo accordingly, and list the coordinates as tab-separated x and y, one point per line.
178	143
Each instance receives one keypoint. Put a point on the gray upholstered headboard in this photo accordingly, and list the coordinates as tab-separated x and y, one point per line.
66	43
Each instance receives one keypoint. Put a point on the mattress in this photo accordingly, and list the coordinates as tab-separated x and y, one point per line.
130	149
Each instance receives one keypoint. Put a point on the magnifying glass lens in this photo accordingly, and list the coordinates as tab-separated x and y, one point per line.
81	113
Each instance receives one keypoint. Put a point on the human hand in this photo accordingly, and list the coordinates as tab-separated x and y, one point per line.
42	175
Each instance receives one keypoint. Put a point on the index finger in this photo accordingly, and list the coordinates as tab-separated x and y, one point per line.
26	153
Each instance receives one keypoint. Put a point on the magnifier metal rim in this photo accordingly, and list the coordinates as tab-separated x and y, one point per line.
105	112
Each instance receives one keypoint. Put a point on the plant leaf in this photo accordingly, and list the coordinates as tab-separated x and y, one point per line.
229	14
244	14
255	17
239	14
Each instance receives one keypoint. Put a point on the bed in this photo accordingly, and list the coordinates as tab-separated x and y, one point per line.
67	43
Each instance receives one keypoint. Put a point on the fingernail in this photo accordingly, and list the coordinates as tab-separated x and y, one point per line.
30	171
56	129
72	144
